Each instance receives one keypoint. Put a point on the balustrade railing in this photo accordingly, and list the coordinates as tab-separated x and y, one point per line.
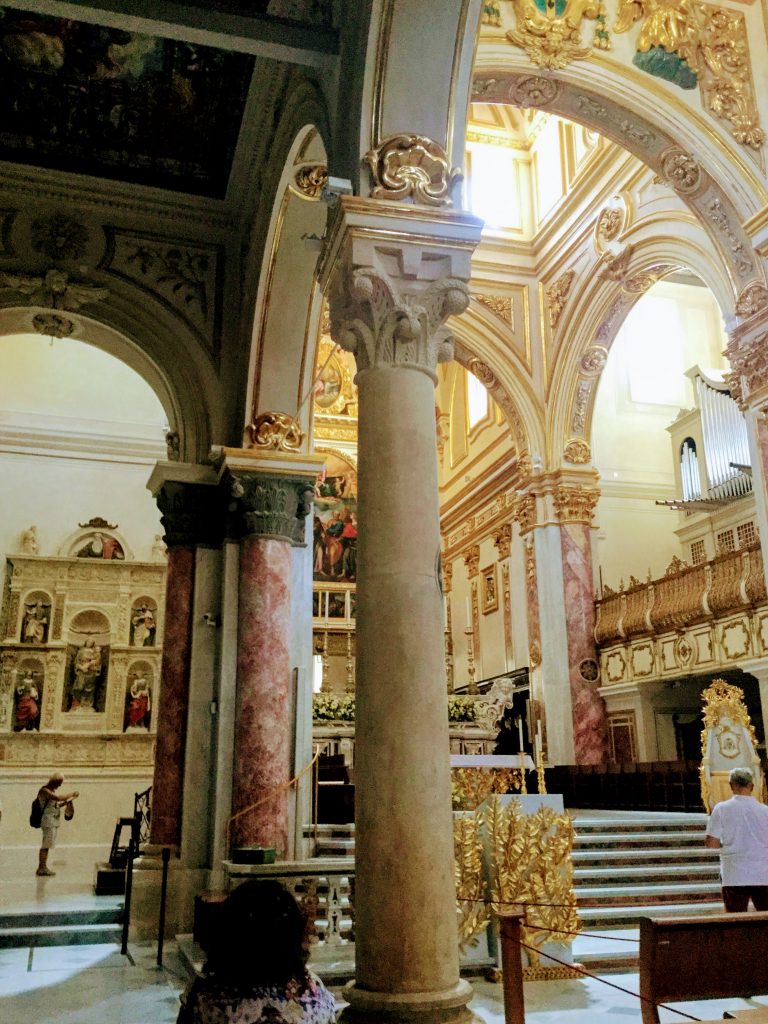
683	596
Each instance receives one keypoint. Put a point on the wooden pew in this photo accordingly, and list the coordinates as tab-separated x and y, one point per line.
691	958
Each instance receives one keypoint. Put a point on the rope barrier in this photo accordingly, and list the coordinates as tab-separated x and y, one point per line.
271	795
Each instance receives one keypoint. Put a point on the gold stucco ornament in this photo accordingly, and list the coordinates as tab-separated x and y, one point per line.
277	431
412	167
550	30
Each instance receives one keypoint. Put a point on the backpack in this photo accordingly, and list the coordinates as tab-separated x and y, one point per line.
36	814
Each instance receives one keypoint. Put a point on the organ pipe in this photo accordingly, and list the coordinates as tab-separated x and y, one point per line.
725	440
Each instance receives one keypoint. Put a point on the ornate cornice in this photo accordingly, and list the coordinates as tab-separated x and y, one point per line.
575	504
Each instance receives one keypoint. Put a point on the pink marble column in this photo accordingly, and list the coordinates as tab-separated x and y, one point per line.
262	761
588	707
167	785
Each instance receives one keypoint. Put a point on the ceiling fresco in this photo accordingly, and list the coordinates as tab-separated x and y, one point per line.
101	101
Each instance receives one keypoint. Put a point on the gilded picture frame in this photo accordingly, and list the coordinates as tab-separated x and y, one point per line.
489	590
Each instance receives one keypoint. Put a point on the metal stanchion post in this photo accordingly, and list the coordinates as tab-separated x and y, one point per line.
133	844
166	855
512	967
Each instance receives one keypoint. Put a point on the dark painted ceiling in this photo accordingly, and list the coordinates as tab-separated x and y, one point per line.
101	101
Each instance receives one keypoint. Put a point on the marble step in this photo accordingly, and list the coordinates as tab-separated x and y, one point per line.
628	840
691	823
59	918
60	935
637	895
602	916
648	873
640	855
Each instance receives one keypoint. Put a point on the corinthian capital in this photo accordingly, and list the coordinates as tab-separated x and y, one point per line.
386	323
393	279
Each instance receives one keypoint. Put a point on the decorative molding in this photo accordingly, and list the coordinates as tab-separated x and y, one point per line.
273	506
472	561
309	181
501	305
575	504
59	237
502	541
54	290
556	295
276	431
681	171
552	37
580	405
733	235
753	299
577	451
53	326
447	576
184	276
412	167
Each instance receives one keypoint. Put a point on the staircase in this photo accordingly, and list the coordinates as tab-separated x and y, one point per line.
61	927
627	865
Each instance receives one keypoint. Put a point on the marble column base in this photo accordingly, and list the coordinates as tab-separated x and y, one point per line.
184	883
402	1007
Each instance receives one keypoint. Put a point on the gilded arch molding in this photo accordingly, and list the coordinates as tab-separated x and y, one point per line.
717	184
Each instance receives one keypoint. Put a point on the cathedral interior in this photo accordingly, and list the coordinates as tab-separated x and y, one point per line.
384	390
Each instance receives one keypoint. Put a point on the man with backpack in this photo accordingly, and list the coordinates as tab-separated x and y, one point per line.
46	814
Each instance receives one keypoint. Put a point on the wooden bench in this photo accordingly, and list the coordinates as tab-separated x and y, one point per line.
712	957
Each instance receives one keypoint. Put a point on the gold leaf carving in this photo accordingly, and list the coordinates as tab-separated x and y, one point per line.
412	167
501	305
575	504
276	431
502	541
556	295
310	181
553	41
577	450
472	561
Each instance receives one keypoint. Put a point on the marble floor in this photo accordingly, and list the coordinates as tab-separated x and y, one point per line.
96	985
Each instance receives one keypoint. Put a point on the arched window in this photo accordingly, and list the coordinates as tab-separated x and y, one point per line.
477	401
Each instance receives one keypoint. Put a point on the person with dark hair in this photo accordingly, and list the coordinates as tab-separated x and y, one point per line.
256	971
738	828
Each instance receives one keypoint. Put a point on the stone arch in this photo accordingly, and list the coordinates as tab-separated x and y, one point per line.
612	99
594	320
286	303
483	350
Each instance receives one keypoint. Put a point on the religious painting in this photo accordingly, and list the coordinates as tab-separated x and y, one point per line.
100	545
728	743
489	589
143	623
102	101
28	696
138	697
36	619
85	680
335	522
337	605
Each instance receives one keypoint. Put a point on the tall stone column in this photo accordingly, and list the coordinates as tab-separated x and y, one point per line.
187	496
395	279
274	495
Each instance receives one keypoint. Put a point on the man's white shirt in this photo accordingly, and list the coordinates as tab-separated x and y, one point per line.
741	825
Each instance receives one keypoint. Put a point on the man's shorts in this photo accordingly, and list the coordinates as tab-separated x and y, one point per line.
49	838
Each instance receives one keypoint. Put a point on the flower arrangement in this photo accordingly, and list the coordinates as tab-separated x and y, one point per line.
333	707
461	709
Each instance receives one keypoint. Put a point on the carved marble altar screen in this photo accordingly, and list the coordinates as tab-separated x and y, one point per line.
80	652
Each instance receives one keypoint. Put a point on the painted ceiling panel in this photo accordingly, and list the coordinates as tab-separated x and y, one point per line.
115	104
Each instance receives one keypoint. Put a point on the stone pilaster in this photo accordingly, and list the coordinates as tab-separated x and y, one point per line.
394	280
273	496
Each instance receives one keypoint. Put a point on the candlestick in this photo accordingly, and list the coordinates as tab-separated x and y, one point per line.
523	783
520	732
542	782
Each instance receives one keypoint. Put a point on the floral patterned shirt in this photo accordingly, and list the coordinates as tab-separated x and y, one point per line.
206	1001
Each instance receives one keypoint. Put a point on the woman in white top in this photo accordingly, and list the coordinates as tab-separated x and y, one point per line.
51	802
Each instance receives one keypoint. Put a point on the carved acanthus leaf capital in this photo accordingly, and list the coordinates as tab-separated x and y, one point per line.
272	506
525	512
575	504
191	514
749	368
472	561
502	541
389	322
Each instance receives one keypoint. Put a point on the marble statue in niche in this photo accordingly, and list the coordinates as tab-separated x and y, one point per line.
87	663
138	698
27	701
143	623
29	543
36	620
